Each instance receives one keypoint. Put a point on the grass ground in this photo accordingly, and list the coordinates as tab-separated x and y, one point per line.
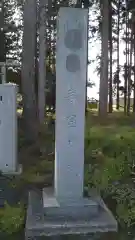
109	162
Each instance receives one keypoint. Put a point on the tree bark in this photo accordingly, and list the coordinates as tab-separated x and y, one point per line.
110	73
86	73
50	14
42	61
130	67
126	65
28	70
103	91
118	60
2	37
134	74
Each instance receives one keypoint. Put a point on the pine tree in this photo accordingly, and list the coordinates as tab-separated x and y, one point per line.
2	34
11	31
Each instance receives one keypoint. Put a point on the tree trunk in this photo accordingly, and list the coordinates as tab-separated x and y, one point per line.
86	73
134	73
126	65
130	67
86	5
118	80
50	13
103	91
42	61
110	73
28	70
79	4
2	38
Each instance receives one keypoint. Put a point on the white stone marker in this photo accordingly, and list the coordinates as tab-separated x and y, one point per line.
71	68
8	128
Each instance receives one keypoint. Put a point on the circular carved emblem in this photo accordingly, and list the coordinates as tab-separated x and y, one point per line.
73	63
73	39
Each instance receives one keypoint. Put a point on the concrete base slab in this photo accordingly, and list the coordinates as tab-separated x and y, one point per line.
70	237
68	207
40	225
15	173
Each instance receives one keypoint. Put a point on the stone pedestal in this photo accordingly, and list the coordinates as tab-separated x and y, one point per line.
51	220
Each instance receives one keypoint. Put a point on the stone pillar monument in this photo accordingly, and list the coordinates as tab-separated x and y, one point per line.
64	210
71	68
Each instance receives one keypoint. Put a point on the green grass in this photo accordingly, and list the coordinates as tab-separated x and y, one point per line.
109	166
109	163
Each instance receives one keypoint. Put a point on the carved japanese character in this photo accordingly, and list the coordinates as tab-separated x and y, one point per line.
71	121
